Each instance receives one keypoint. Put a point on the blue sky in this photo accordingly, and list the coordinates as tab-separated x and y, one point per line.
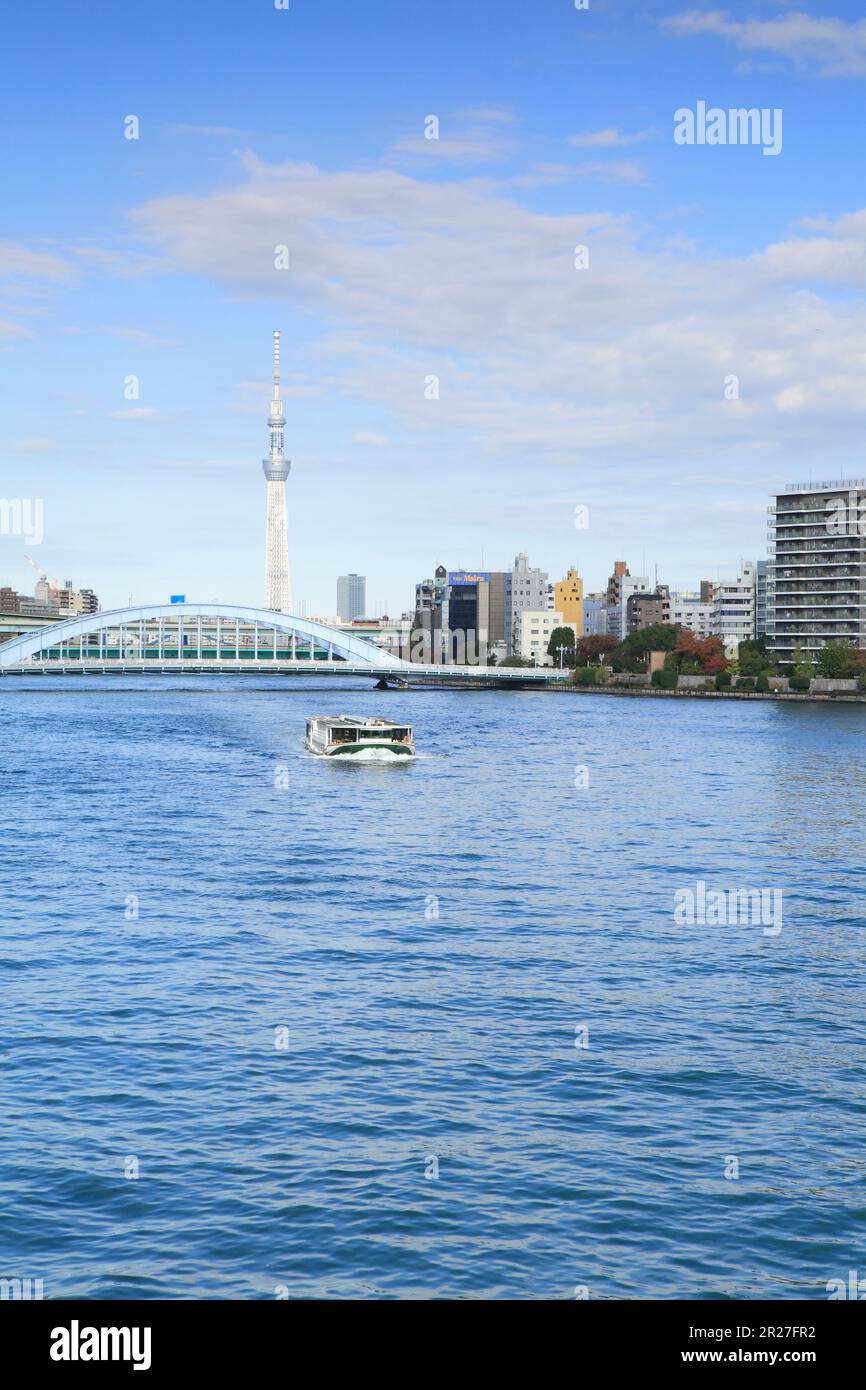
410	258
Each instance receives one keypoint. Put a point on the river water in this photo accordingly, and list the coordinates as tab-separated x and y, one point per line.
273	1027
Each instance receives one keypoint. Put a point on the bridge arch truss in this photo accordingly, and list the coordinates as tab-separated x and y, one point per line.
218	633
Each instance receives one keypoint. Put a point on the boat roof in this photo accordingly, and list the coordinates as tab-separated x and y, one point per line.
349	721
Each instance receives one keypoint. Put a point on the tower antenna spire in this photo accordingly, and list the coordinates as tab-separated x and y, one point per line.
278	584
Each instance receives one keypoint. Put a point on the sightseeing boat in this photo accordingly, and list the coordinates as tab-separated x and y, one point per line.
361	740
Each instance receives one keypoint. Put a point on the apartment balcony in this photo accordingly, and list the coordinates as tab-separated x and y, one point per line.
795	555
798	577
802	531
838	633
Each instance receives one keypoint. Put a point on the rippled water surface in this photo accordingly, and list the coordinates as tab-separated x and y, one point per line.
430	937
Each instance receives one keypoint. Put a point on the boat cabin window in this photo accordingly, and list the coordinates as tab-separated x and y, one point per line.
343	735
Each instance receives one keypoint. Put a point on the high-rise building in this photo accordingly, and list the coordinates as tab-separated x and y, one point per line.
734	609
614	584
498	607
622	585
351	597
278	584
468	615
816	576
528	591
761	598
568	600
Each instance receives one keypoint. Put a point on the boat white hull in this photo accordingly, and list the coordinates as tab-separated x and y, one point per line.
351	753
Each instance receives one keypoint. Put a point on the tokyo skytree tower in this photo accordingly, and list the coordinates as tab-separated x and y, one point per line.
278	583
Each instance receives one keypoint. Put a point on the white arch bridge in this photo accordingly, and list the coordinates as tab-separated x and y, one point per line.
217	638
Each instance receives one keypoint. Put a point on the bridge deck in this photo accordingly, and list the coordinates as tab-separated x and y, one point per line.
419	673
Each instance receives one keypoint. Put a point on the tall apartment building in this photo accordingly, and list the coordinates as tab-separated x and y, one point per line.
617	613
568	600
761	598
85	601
351	597
734	608
816	575
528	591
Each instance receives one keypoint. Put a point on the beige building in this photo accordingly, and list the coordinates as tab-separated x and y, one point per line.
568	600
533	630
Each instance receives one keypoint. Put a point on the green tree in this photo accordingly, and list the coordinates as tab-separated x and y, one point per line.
632	652
562	637
752	658
836	660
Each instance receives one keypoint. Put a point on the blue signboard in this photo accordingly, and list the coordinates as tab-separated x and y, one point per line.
178	598
468	576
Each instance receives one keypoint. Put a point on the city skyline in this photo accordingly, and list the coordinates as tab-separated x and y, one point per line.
132	322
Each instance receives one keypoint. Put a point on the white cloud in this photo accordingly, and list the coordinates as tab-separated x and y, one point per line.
626	360
35	446
25	274
604	139
8	329
17	261
454	149
215	130
836	46
377	441
543	175
497	114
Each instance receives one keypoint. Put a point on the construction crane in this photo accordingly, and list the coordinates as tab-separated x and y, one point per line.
52	583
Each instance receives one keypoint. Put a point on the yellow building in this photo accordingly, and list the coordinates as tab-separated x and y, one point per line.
569	600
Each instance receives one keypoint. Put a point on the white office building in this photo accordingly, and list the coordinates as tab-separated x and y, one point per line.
688	610
534	630
734	605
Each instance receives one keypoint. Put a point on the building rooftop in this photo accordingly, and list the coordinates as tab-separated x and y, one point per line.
823	487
